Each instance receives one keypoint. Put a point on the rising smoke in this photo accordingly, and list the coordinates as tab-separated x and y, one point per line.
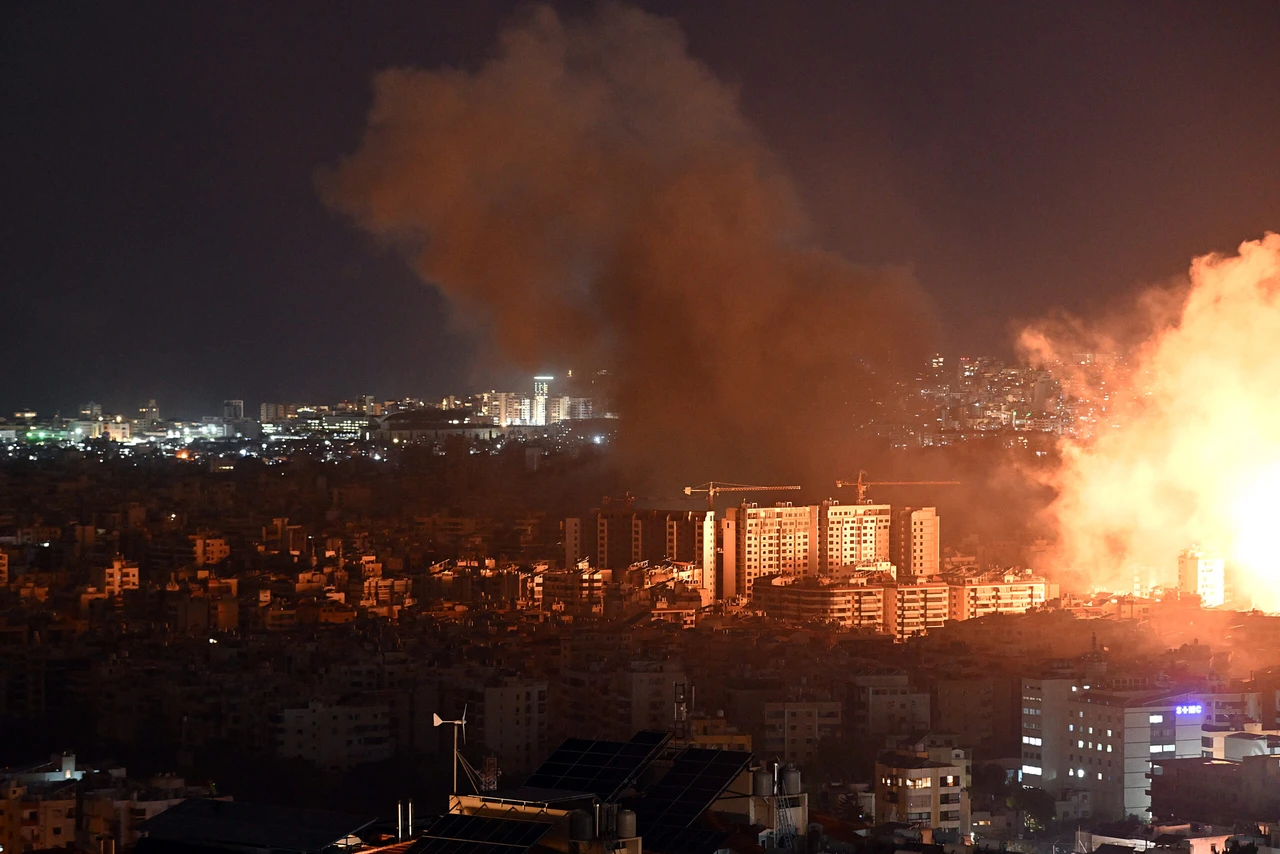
592	195
1186	448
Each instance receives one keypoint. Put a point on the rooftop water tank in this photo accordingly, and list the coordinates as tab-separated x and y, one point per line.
582	827
626	824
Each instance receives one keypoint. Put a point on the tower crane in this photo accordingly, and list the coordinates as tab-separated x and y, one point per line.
862	483
716	487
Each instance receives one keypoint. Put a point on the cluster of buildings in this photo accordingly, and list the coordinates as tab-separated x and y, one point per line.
365	417
980	397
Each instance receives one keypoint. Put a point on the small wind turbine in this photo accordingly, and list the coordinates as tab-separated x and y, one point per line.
460	724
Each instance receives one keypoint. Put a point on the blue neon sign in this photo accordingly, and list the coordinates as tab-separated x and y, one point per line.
1192	709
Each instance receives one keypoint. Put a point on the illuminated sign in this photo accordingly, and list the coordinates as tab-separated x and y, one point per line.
1193	709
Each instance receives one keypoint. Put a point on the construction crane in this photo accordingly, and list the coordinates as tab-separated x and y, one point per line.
716	487
862	483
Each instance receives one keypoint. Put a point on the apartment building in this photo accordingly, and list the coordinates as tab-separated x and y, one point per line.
920	791
794	731
334	736
1105	743
997	592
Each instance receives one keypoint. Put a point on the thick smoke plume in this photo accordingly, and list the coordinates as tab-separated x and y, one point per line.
1185	450
593	196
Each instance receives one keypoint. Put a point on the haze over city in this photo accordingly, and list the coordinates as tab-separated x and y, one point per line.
561	428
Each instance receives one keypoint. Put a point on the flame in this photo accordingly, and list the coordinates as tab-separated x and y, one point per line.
1189	449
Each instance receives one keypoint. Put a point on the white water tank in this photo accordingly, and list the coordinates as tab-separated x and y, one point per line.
626	824
791	780
762	785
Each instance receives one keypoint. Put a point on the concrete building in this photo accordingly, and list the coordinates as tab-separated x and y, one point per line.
1217	791
779	540
883	702
508	714
916	607
209	549
847	604
853	534
997	592
1105	743
1204	574
120	576
915	542
334	736
794	731
919	791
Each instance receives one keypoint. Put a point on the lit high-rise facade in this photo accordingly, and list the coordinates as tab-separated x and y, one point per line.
541	391
1204	574
781	540
853	534
915	542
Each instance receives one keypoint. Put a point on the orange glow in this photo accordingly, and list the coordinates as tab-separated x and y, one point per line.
1190	450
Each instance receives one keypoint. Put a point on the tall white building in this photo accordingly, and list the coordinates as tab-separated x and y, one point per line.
1101	744
853	534
1204	574
541	391
916	541
780	540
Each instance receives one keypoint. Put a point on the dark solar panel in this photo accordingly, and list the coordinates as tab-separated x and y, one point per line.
469	834
602	768
687	840
696	779
237	823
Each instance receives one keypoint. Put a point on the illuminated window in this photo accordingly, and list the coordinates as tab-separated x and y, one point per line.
1155	719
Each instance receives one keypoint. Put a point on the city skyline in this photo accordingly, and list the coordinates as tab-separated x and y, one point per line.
1007	210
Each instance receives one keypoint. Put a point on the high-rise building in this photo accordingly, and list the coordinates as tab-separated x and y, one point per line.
1203	573
1104	744
853	534
915	542
149	414
232	410
541	391
780	540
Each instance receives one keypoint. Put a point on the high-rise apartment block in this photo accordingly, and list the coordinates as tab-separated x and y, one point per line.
915	541
1204	574
853	533
780	540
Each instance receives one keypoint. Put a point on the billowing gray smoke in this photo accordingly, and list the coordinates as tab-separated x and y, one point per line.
594	197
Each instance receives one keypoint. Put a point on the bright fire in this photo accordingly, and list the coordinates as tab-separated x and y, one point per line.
1190	451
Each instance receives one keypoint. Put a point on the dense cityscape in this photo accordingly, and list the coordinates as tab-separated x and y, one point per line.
913	490
282	604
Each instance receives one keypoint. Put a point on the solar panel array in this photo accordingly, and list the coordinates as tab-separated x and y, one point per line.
684	840
469	834
603	768
697	778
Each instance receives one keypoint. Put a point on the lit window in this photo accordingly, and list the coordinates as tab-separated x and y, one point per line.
1155	719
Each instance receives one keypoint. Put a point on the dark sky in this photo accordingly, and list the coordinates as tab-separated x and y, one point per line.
160	233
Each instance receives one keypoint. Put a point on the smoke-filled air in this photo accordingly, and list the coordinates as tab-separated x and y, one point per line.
593	197
1185	450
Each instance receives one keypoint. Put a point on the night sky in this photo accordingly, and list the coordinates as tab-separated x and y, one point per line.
161	234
